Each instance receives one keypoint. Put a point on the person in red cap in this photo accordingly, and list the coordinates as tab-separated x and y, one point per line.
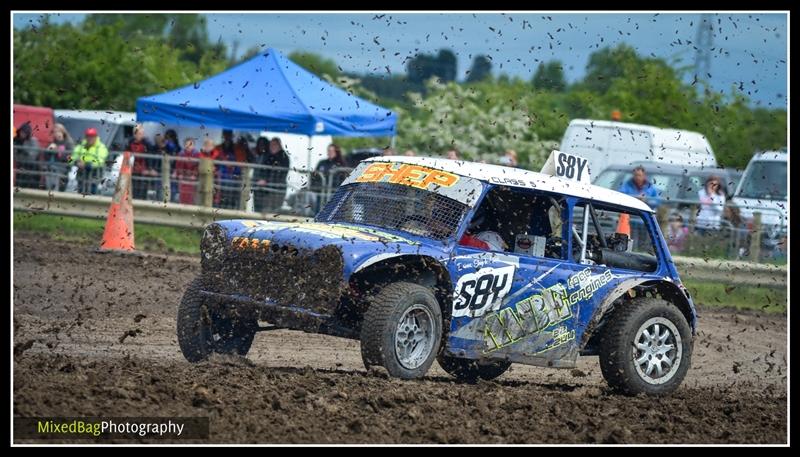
90	157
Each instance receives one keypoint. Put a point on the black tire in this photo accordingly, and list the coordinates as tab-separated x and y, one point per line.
381	320
618	351
471	370
199	322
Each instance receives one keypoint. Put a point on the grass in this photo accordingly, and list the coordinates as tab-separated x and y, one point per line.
154	238
718	295
147	237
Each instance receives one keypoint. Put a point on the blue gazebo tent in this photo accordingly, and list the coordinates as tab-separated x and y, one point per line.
269	92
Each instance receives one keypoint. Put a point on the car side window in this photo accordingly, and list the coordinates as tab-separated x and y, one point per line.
520	221
615	238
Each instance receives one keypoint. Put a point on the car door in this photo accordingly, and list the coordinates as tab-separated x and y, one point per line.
511	304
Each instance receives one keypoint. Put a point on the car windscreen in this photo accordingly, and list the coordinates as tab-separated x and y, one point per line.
610	179
668	186
77	127
764	180
395	207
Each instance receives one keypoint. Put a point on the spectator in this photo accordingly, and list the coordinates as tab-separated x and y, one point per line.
334	160
186	171
227	146
26	151
677	232
712	204
453	154
410	153
260	192
172	143
388	151
326	176
143	168
274	177
241	150
509	159
640	187
228	176
56	157
209	150
90	157
173	147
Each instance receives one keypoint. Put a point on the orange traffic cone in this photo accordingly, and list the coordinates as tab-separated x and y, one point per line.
624	224
118	235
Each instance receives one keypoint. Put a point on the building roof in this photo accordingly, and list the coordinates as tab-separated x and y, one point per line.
518	177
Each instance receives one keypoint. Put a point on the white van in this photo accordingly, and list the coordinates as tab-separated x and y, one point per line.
607	143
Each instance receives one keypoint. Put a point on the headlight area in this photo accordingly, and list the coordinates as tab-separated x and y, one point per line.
213	247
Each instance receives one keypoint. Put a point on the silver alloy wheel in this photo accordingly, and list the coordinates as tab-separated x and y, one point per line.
413	338
657	350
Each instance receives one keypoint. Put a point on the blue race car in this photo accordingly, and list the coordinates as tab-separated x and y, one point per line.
477	266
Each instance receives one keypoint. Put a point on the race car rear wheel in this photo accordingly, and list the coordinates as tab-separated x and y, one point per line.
472	370
205	328
402	330
646	347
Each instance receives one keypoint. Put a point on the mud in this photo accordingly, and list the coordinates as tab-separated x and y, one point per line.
94	334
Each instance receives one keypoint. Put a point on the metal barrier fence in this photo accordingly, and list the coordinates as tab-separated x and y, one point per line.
188	180
258	188
760	238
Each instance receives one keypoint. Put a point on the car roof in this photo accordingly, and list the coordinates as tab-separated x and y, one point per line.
771	156
113	117
485	172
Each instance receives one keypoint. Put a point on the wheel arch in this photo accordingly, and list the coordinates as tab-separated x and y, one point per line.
663	288
420	269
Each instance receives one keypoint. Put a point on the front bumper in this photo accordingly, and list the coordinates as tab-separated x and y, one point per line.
284	316
265	272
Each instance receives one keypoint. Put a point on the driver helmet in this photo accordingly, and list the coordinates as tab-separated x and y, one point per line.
493	239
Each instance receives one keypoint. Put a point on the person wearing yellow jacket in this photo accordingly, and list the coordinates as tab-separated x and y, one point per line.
89	155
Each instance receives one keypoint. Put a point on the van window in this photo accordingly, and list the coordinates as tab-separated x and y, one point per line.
607	241
765	180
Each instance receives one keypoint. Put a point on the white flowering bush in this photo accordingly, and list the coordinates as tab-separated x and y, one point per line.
457	116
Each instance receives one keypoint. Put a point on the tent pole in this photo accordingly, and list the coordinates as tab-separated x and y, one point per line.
308	163
394	142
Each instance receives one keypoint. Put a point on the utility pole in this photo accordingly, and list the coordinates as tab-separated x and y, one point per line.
704	44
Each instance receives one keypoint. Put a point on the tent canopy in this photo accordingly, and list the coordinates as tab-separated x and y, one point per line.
269	92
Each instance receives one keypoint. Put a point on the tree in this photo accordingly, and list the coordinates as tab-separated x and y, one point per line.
550	77
608	64
422	67
480	70
315	63
93	66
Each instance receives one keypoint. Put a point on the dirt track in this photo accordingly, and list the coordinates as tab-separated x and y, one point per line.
94	334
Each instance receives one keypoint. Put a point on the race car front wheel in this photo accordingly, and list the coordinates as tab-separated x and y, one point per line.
646	347
471	370
205	328
402	330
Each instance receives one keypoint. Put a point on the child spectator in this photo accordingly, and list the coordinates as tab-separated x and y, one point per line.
677	233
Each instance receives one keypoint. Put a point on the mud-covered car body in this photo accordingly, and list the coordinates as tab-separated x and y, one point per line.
507	306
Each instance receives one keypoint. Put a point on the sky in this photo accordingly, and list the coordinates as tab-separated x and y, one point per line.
749	50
